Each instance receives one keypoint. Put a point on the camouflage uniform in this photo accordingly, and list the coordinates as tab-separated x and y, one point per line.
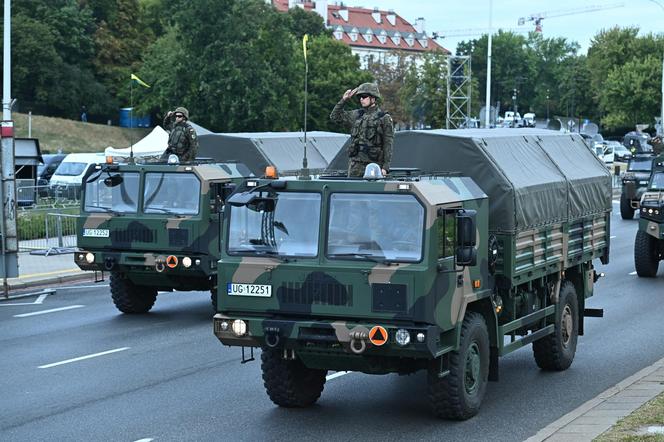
371	131
182	139
657	145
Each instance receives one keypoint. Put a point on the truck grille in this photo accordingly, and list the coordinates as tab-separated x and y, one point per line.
317	289
133	234
178	237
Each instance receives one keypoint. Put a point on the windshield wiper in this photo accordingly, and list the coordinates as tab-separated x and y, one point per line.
98	209
368	256
169	212
275	254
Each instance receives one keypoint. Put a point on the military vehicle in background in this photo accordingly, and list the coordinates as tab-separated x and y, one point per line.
649	242
154	227
490	249
634	183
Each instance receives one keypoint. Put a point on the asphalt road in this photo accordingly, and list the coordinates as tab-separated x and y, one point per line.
165	377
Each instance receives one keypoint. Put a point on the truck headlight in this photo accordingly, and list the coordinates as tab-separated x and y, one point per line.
186	262
402	337
239	327
90	257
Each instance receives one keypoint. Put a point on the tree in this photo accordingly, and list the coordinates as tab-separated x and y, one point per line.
306	22
424	93
390	76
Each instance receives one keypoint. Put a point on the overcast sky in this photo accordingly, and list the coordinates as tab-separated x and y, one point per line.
448	15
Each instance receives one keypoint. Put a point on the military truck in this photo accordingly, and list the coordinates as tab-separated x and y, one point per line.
154	227
649	242
488	250
634	183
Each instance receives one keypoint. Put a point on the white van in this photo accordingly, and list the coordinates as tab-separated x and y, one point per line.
67	178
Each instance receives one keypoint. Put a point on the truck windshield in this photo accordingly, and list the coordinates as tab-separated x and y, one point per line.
657	182
113	192
171	193
291	229
374	226
640	165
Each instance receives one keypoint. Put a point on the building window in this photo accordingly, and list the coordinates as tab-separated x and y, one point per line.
368	37
396	39
382	37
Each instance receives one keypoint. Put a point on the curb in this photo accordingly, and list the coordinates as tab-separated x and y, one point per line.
16	285
566	429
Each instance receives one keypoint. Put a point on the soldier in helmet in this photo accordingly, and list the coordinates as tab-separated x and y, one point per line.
371	130
182	140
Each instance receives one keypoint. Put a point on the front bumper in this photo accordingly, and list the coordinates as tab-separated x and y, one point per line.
331	337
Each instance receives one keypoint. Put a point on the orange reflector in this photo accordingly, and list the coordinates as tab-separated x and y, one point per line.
378	335
477	283
270	172
172	261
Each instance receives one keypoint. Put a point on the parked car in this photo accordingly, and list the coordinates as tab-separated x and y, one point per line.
620	152
512	119
46	170
67	178
528	120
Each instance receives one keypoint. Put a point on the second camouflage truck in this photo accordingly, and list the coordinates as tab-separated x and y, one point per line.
153	227
649	242
445	272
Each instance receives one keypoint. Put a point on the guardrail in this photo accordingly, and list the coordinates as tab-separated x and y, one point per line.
44	231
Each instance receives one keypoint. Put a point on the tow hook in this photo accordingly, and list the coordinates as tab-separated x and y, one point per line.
272	337
596	276
159	266
358	342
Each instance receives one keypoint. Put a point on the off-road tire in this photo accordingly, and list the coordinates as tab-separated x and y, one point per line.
130	298
556	351
626	210
646	256
288	382
459	394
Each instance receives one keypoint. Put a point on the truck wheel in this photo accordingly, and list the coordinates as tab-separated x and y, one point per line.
556	351
288	382
459	394
646	257
130	298
626	211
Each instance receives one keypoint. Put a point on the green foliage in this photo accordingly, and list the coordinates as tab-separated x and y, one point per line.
391	78
306	22
425	91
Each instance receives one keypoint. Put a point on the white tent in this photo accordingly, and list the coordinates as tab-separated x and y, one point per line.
153	145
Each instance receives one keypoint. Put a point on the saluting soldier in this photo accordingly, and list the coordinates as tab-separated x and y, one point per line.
371	130
182	139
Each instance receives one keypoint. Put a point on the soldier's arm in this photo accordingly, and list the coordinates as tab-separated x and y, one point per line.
193	139
168	121
388	141
341	116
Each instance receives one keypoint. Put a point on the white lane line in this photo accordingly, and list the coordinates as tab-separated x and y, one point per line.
71	287
615	202
611	237
336	375
68	361
43	312
633	273
39	300
147	439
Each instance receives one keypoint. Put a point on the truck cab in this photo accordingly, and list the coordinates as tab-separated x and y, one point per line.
649	242
634	183
153	227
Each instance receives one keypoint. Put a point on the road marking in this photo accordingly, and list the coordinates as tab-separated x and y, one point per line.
611	237
43	312
39	300
82	358
147	439
83	286
633	273
336	375
615	202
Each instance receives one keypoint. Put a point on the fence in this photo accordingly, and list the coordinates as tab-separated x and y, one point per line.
45	231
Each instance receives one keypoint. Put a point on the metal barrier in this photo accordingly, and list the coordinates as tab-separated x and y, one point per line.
29	195
45	232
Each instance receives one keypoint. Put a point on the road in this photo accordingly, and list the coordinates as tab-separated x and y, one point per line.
74	368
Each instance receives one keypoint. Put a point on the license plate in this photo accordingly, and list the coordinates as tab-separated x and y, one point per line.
249	290
96	233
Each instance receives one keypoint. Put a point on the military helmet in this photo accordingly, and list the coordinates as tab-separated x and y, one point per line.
183	111
368	89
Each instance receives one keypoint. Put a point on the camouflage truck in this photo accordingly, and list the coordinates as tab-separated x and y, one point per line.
649	242
154	227
634	183
444	272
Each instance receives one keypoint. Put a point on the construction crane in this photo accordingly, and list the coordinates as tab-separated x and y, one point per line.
539	16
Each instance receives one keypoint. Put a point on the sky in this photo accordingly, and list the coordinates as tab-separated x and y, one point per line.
448	15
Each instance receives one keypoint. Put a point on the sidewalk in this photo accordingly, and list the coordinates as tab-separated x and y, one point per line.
40	270
599	414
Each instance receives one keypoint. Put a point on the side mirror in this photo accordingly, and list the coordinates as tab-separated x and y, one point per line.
466	253
113	180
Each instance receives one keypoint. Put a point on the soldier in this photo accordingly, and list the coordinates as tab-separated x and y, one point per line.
371	130
182	140
657	144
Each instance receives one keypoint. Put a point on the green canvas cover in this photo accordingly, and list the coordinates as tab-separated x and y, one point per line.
529	174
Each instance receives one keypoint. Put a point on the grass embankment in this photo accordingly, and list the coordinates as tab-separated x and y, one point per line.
631	427
59	134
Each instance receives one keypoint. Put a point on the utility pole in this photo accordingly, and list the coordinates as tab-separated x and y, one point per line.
487	115
547	106
8	241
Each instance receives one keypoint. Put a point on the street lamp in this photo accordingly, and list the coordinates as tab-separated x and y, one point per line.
487	114
547	105
514	100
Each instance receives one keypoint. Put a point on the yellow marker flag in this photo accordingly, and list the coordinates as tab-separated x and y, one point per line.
139	81
305	39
